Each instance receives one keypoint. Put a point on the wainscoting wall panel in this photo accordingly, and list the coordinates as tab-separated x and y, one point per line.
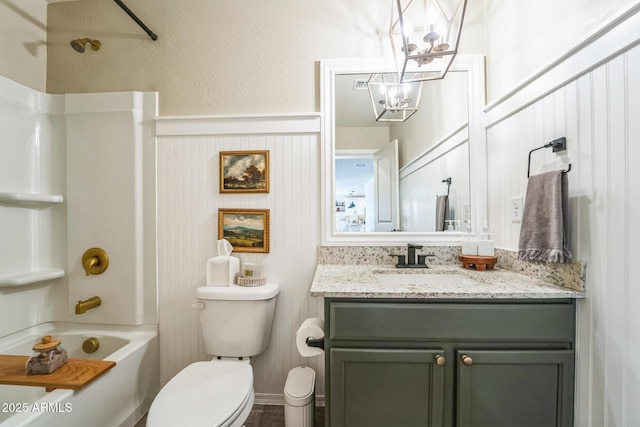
596	109
421	183
188	203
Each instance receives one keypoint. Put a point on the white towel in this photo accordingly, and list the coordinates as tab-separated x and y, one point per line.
543	233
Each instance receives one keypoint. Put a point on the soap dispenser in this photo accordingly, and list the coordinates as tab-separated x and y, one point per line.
469	242
486	246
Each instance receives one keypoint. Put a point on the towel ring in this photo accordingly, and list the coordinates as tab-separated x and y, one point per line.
559	144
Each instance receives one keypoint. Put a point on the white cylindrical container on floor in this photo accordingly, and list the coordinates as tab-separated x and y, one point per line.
299	397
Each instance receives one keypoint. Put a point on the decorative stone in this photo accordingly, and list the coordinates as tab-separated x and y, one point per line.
49	357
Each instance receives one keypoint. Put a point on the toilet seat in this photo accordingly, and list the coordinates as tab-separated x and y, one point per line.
211	394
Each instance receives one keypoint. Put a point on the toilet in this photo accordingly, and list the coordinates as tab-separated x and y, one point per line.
236	324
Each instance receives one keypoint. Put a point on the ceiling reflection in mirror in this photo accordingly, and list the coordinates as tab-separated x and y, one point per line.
389	175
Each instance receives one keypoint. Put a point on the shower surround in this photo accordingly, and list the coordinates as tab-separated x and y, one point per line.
76	171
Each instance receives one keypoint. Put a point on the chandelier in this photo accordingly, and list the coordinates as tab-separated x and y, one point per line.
424	37
393	101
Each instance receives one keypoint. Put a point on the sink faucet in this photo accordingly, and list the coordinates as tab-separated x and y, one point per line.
411	253
83	306
411	258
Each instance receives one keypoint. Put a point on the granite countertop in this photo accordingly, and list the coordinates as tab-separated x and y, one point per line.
359	281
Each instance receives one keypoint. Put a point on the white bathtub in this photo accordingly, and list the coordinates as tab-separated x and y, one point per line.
118	398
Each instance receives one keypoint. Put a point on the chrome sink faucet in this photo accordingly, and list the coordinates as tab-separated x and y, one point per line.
411	258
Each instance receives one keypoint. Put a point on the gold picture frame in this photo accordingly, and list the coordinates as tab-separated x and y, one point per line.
244	171
246	229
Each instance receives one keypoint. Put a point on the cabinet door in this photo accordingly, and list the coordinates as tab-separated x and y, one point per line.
500	388
385	387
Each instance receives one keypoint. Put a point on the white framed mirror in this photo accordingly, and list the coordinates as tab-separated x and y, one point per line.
469	138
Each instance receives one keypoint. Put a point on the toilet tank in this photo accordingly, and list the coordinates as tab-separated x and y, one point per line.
236	320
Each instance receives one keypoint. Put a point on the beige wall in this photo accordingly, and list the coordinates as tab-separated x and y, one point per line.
523	36
23	42
259	56
215	57
361	138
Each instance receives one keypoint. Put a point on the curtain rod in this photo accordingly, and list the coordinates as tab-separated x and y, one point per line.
138	21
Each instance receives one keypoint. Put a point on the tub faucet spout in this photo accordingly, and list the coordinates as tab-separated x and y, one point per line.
83	306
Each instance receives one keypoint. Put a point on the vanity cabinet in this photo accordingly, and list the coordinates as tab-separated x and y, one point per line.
449	363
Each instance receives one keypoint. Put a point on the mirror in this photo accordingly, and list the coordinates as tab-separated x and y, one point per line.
432	157
448	117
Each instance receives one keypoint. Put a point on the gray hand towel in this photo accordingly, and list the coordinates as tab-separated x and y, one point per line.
442	212
543	233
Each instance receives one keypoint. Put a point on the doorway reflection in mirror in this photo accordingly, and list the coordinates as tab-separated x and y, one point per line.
354	176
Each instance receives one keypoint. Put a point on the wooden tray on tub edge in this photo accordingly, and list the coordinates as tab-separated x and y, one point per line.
74	374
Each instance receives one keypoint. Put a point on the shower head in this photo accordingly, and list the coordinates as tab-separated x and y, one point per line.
79	44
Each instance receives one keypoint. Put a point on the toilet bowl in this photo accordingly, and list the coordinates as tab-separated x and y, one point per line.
236	324
218	393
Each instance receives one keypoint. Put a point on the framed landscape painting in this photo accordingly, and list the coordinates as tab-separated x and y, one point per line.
246	229
244	171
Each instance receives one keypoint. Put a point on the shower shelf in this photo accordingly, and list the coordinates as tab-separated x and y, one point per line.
29	200
13	280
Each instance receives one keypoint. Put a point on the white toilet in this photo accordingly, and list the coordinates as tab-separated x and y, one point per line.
236	324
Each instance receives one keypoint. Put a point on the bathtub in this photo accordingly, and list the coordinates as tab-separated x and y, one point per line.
118	398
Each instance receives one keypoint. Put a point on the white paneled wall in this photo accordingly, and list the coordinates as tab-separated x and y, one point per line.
188	203
597	111
421	183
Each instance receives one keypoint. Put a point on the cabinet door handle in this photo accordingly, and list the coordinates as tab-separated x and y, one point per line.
467	360
440	360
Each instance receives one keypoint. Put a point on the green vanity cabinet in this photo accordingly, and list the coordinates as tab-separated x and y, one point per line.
404	363
367	382
528	388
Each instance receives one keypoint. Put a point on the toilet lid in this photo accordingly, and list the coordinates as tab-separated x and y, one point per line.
203	394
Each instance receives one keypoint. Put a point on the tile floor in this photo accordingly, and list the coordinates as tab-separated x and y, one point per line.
273	416
264	416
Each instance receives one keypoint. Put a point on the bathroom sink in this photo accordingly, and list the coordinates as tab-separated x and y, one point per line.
423	279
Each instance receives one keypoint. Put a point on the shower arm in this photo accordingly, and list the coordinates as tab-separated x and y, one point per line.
135	18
